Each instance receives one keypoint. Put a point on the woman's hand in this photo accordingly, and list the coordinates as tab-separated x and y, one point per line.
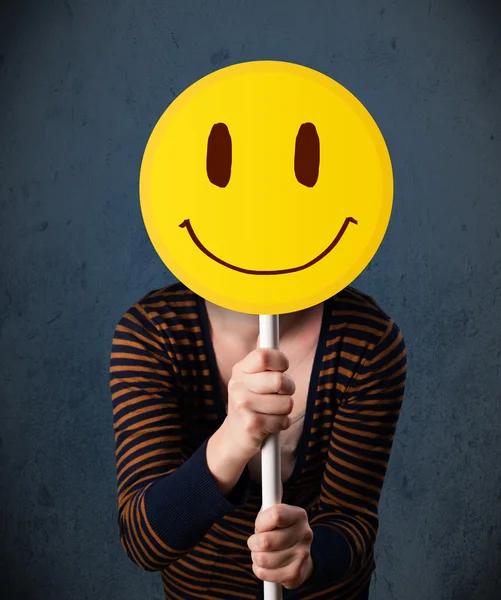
280	546
259	401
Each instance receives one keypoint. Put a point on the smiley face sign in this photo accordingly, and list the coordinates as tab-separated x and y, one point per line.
266	187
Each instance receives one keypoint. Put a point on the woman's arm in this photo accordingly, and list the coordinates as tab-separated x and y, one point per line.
225	466
165	505
345	519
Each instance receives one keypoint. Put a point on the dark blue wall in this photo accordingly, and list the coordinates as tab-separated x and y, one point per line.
81	86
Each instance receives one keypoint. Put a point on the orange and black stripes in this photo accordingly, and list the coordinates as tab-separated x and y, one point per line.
166	404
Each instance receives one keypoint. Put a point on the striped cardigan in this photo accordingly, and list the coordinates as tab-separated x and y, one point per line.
167	402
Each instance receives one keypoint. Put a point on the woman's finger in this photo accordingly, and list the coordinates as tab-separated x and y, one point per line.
283	575
274	541
269	382
273	560
279	515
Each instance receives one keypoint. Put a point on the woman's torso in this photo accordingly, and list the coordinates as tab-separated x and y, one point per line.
177	322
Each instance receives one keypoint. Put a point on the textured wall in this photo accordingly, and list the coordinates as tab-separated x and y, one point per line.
81	86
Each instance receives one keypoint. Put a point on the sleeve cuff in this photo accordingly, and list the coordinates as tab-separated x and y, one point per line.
331	555
192	487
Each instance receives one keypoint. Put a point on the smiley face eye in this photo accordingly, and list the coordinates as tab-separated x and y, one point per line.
307	155
219	155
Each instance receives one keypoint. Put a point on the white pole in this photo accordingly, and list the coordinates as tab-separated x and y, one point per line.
270	453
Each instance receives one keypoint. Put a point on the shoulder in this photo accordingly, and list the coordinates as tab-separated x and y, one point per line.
164	304
168	301
163	323
169	312
371	345
360	317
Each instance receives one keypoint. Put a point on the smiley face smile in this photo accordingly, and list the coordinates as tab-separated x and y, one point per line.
186	223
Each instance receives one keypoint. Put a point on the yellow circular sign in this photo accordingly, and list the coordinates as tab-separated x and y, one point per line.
266	187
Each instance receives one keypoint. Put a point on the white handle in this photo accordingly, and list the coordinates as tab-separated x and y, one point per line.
271	476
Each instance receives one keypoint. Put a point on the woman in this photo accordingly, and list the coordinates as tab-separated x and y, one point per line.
193	400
